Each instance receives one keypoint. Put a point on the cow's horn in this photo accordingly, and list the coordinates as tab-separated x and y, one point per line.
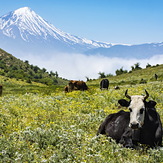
147	95
127	94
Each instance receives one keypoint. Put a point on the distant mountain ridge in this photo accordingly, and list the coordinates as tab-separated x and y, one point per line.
130	51
23	31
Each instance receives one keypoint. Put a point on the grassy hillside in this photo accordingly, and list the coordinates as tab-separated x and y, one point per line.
14	86
39	123
12	67
135	77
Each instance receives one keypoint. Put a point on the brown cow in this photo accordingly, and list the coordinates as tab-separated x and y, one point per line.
1	87
76	85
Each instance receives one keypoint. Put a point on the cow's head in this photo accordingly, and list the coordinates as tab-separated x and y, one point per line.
136	105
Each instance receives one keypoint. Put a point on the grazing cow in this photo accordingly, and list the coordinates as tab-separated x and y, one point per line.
1	87
77	85
104	84
156	76
141	125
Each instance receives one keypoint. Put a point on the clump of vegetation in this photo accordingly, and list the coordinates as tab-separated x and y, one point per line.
120	71
136	67
142	81
14	68
103	75
148	65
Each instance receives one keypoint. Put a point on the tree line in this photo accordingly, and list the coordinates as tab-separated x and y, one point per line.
120	71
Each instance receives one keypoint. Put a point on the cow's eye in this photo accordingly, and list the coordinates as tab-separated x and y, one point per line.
141	111
130	109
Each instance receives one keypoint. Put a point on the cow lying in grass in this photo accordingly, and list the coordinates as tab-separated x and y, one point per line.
75	85
141	125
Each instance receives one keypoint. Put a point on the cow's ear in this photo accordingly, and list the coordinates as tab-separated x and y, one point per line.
123	102
151	104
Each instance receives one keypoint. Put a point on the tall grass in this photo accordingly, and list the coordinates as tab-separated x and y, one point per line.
59	127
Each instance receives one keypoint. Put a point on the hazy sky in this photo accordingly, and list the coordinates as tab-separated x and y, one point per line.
113	21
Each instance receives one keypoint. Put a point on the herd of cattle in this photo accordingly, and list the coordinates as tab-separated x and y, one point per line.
142	124
81	85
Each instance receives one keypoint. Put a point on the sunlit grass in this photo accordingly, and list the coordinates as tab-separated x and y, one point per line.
43	124
61	127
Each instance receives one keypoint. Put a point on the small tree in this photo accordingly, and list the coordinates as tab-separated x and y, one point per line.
44	70
109	75
26	62
102	75
120	71
52	73
148	65
56	74
36	69
136	67
87	78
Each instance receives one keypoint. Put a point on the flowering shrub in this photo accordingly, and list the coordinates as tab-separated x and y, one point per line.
61	127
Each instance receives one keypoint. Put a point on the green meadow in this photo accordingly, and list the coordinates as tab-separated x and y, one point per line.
40	123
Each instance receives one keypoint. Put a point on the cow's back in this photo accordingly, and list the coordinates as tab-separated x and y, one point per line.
115	125
81	85
104	84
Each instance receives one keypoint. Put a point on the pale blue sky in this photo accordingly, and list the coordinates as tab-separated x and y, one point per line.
113	21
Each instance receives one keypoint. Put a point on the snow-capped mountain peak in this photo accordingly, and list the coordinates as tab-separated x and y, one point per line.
23	11
25	24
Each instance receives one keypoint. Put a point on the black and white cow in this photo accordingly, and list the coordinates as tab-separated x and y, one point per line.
141	125
104	84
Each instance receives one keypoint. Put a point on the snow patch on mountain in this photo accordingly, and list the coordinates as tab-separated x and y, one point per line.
24	23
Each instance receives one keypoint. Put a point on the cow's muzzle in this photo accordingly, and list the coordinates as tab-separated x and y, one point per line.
134	125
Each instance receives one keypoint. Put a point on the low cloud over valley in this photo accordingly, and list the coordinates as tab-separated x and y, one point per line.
80	66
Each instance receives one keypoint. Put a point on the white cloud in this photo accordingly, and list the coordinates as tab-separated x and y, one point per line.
80	66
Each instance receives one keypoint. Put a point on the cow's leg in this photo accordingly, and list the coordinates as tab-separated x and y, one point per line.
126	139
